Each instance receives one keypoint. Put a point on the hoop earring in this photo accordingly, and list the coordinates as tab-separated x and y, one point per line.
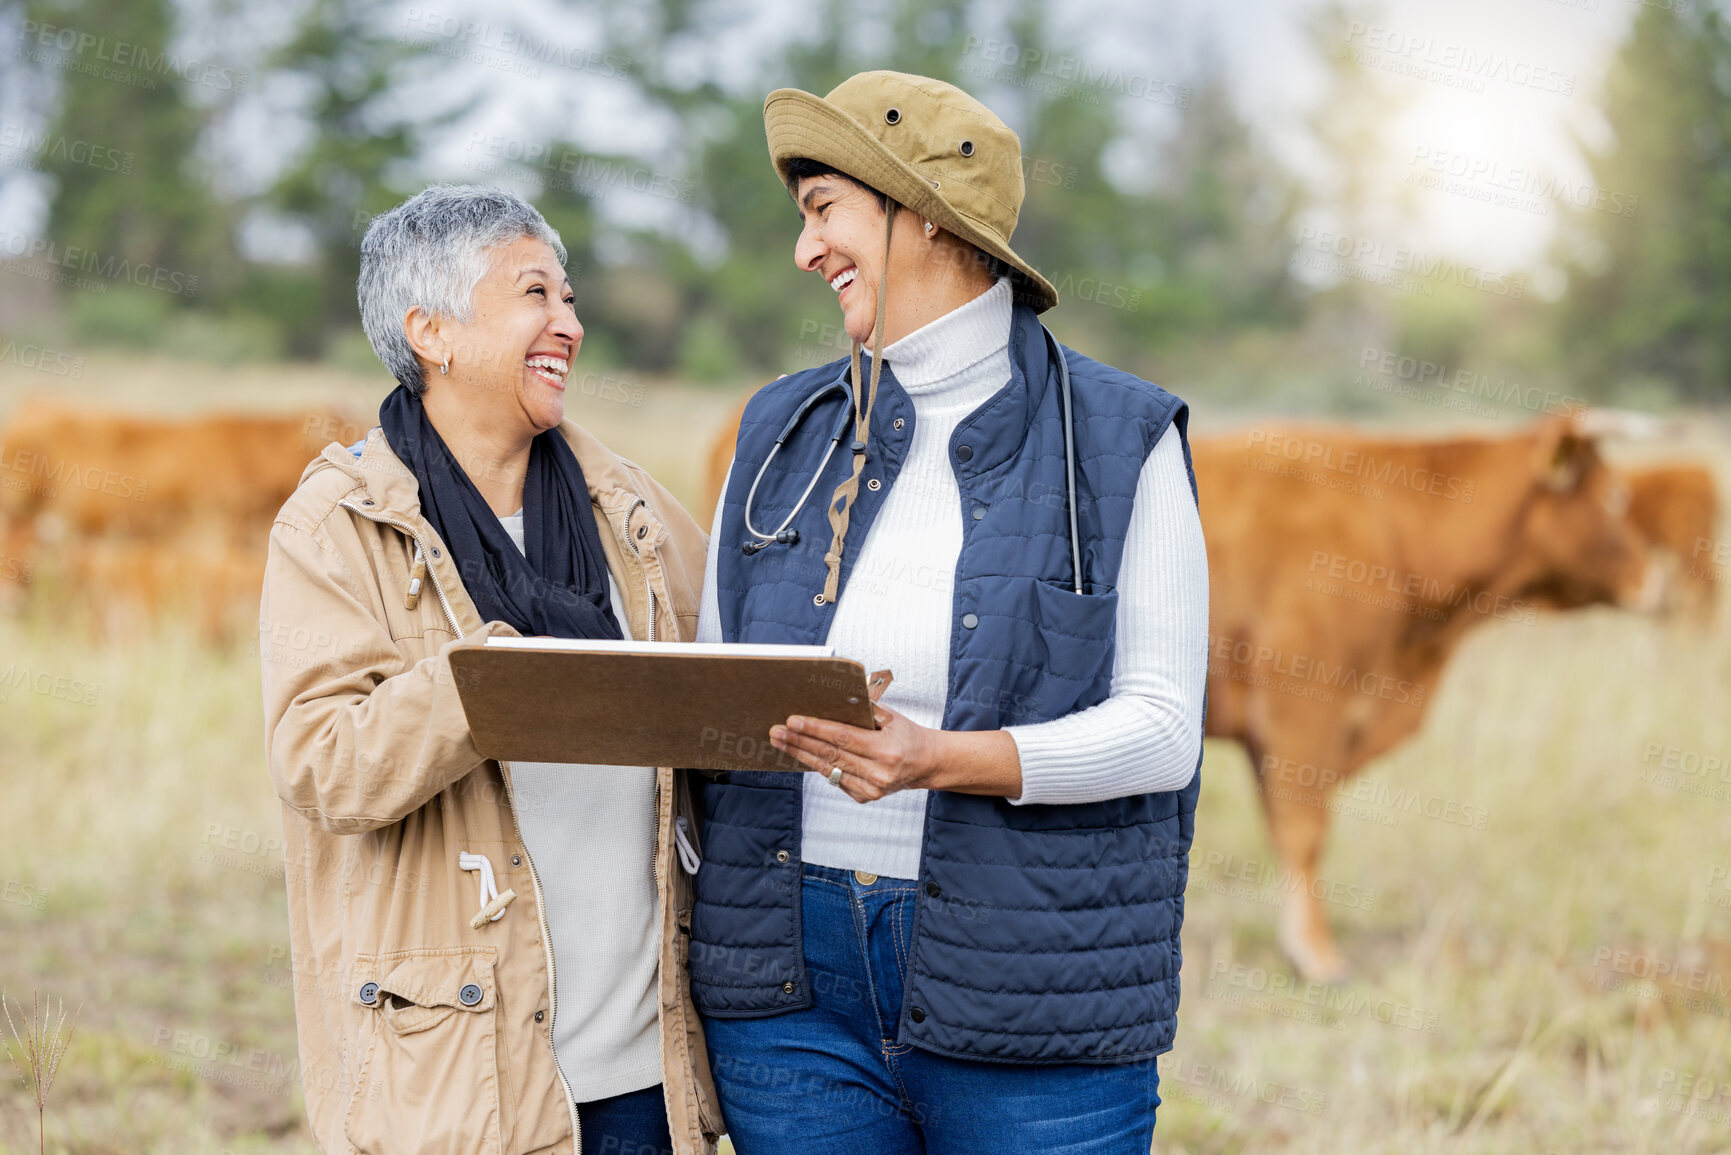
446	367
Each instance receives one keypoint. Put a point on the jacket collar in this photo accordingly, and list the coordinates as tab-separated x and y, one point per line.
396	495
385	490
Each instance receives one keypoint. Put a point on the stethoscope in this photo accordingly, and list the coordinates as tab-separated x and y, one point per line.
785	534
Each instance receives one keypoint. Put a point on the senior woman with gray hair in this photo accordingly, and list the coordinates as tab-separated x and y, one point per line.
487	956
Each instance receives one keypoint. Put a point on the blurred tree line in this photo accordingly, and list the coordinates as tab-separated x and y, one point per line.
1650	287
1163	230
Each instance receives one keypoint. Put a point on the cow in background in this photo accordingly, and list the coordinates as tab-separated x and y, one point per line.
94	471
129	517
1344	571
1677	508
720	459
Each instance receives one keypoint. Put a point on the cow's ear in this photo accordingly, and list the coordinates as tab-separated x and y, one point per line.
1564	455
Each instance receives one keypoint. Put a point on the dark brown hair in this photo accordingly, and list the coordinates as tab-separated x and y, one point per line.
800	167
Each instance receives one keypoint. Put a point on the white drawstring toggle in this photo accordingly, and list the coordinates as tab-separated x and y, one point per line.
413	596
687	853
491	900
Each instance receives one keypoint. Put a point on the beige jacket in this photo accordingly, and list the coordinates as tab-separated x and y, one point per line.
418	1032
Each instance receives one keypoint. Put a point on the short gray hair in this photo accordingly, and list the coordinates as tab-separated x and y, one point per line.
431	251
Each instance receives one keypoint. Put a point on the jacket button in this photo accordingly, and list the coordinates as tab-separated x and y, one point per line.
369	994
969	621
366	501
979	512
874	485
787	988
436	552
642	532
516	860
897	423
964	453
540	1016
917	1015
932	890
781	856
469	995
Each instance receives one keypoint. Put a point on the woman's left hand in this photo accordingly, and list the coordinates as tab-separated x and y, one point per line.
899	755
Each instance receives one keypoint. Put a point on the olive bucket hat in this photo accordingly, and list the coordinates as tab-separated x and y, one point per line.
929	146
923	143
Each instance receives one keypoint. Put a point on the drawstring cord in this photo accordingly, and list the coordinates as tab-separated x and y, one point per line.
847	491
416	576
688	856
493	903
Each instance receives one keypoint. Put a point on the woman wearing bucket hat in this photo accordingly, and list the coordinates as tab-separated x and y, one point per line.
962	933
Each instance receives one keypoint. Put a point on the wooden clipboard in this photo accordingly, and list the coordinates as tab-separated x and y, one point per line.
672	704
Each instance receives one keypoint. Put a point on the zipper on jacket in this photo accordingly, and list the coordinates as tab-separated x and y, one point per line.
649	588
547	945
511	803
663	886
655	843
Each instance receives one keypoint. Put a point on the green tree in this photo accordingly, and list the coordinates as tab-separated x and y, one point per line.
747	306
1203	246
1229	216
365	137
1350	126
152	206
1649	261
1200	246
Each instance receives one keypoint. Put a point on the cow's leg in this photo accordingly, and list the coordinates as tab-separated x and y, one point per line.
1295	794
17	559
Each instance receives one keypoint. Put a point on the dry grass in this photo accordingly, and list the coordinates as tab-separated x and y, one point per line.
1478	1021
41	1043
135	879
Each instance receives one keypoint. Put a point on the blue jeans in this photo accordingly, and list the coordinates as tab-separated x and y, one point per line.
634	1123
832	1080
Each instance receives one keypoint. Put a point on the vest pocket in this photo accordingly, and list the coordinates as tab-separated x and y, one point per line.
430	1078
1077	631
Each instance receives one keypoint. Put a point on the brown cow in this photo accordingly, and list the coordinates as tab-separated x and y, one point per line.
720	460
89	471
1345	568
130	516
1677	508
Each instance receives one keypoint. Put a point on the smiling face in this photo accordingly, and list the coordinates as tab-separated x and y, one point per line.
842	240
509	363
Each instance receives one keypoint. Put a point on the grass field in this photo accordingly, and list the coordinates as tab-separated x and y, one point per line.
1508	926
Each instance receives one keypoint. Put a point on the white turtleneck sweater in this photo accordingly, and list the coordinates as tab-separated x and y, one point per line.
894	613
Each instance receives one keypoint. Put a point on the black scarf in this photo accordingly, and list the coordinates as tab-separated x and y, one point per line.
560	587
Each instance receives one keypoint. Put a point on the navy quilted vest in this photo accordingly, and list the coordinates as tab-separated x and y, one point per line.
1043	933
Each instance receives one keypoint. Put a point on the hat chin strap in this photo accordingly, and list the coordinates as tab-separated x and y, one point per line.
841	501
